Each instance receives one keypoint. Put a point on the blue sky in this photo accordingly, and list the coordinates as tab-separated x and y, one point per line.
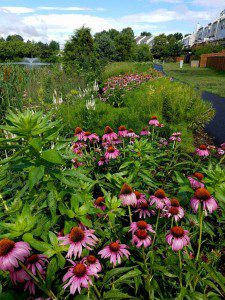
53	19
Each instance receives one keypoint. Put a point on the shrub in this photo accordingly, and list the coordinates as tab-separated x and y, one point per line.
179	107
122	68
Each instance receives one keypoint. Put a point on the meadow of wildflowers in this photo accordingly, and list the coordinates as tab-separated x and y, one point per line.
123	215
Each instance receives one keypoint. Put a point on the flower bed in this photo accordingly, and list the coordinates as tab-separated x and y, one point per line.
131	211
124	83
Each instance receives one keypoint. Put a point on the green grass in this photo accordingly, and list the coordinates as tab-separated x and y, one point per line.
204	78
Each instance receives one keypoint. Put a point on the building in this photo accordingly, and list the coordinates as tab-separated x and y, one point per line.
148	40
189	40
212	32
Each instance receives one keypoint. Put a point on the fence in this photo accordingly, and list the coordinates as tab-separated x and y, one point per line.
216	62
204	58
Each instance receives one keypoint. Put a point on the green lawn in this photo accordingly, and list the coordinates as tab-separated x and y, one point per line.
204	78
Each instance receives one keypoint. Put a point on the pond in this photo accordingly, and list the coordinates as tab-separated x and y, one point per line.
28	62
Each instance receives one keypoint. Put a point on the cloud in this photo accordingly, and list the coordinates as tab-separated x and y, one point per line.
11	23
167	1
165	15
50	22
209	3
18	9
72	8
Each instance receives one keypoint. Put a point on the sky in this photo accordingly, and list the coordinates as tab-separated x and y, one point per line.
47	20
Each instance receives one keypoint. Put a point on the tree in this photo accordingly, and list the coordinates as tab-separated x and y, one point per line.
105	47
146	33
80	51
125	45
178	36
166	46
143	53
160	47
14	37
54	46
113	33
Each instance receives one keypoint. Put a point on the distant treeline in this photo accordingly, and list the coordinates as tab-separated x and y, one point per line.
14	48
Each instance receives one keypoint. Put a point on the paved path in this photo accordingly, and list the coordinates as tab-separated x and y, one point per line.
216	127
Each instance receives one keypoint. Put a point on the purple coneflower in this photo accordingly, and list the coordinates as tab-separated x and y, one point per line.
36	262
79	133
94	137
93	263
102	161
115	251
144	210
154	121
112	153
140	197
203	196
122	131
159	199
100	203
19	276
77	239
145	131
196	180
163	142
29	285
109	135
88	136
175	212
141	238
177	238
141	225
127	196
79	276
202	151
11	252
132	134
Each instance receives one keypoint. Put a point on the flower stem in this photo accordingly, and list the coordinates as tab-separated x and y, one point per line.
156	227
172	222
97	292
200	231
144	259
37	282
130	214
180	260
153	131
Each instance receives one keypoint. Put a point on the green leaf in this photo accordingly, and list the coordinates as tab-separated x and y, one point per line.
129	275
35	175
52	203
115	272
117	294
36	144
217	276
52	156
53	239
37	245
51	271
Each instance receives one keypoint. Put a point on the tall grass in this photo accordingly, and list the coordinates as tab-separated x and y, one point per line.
22	87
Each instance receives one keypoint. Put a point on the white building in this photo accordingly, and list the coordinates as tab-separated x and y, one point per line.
189	40
148	40
212	32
